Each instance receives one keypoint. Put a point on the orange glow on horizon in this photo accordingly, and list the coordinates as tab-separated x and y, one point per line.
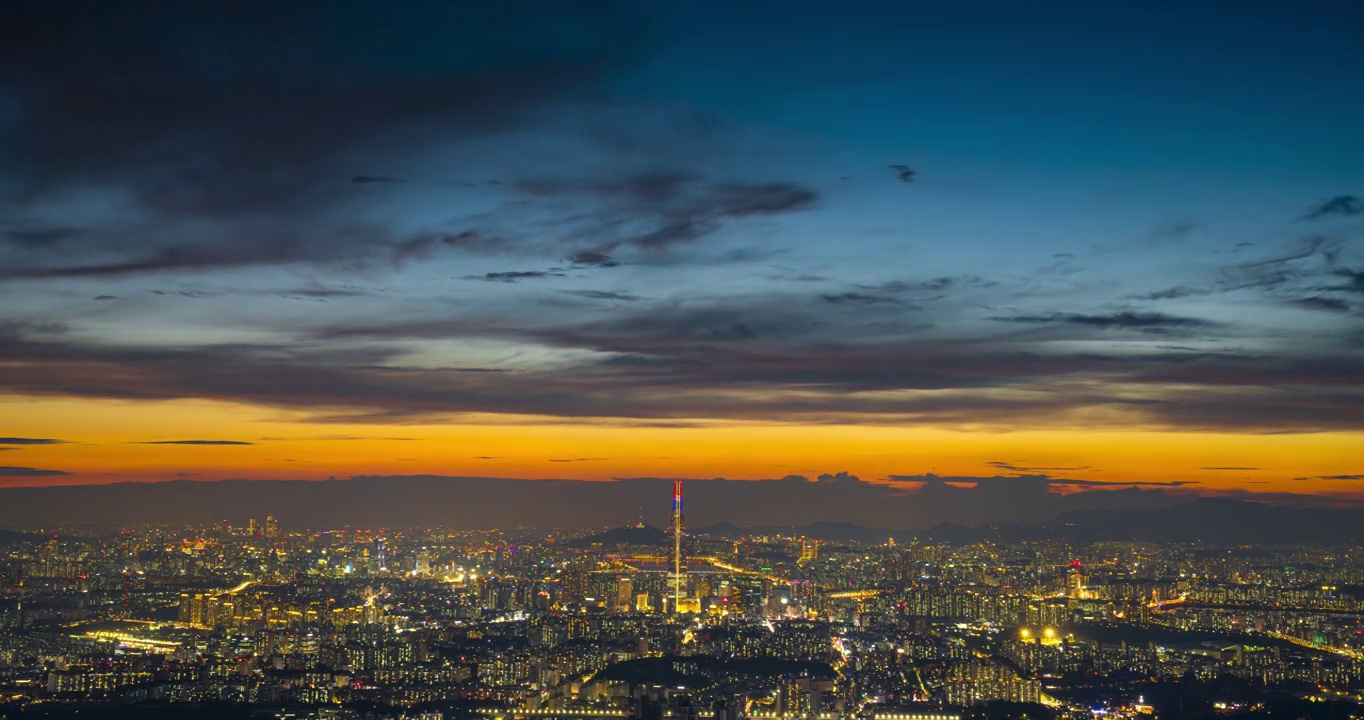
108	441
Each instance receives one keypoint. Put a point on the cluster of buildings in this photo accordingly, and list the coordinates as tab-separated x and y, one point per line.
319	623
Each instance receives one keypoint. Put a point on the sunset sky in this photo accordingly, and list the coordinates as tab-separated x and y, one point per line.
1091	241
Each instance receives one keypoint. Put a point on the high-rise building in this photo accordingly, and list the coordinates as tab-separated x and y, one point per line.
809	551
677	579
1077	580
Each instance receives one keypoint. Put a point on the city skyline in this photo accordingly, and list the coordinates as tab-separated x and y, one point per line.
356	359
1110	250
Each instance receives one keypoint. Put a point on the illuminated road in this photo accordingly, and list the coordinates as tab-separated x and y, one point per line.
244	585
1357	655
705	714
717	562
853	594
661	559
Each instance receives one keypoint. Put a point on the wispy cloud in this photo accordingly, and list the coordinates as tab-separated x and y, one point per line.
1119	320
604	295
1326	304
195	442
1338	206
11	471
512	276
1028	469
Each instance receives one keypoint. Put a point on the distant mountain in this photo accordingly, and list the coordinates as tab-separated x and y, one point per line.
1210	520
1216	520
635	535
954	534
821	530
720	529
1000	509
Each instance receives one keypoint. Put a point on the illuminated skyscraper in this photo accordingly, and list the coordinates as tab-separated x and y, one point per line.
1076	580
677	578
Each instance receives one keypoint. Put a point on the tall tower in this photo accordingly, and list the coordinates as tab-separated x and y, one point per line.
678	579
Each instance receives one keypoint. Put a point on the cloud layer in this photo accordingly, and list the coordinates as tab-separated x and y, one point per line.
535	213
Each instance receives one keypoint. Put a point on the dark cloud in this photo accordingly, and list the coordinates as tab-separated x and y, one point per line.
1118	320
344	248
227	146
181	293
1275	277
39	237
424	245
105	297
1354	281
931	289
512	276
651	216
592	257
275	250
375	180
665	238
1309	247
1317	302
11	471
1035	481
683	197
1060	268
574	460
904	173
657	188
1339	206
744	200
317	291
797	359
603	295
1176	292
1024	469
29	441
857	298
1178	231
196	442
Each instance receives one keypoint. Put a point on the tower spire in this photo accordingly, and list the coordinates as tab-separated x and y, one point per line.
678	582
